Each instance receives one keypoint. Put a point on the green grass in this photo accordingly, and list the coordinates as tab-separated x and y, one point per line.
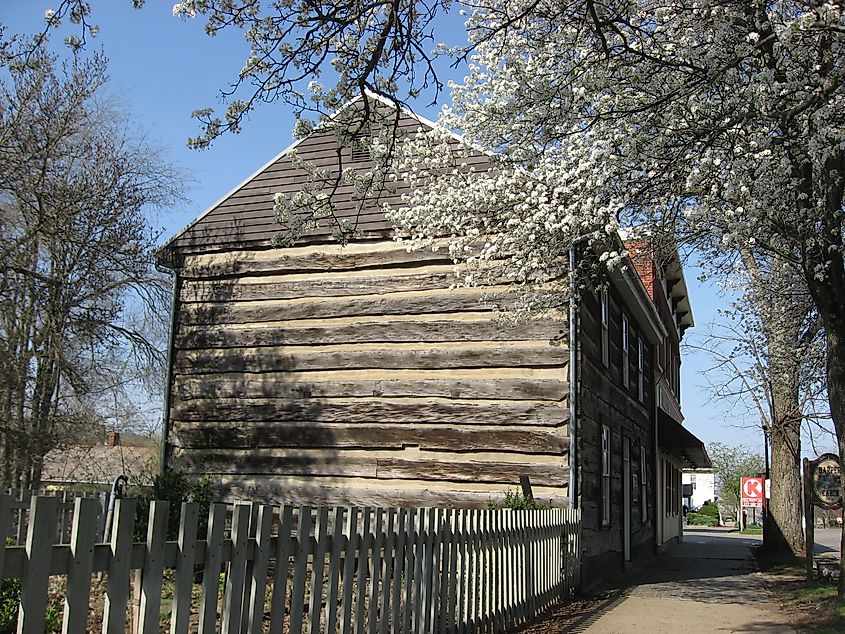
752	530
815	592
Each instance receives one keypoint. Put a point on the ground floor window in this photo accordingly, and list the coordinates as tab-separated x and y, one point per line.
605	475
671	488
643	484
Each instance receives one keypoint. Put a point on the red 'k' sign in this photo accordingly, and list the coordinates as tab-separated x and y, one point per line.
753	491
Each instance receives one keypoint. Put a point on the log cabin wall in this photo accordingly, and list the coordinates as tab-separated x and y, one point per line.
353	375
603	399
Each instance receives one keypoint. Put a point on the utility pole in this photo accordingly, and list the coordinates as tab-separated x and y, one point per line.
767	477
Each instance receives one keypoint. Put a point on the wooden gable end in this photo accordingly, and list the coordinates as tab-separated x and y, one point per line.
245	218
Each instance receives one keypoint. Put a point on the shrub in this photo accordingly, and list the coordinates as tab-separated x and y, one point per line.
702	520
174	487
709	509
515	501
10	598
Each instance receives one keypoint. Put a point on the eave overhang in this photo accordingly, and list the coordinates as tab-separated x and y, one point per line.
675	439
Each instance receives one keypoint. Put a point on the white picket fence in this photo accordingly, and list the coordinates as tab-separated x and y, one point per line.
20	504
348	570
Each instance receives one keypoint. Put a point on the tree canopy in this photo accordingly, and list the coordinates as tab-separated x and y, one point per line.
731	465
76	267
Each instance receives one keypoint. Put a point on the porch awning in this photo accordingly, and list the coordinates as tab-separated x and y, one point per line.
675	439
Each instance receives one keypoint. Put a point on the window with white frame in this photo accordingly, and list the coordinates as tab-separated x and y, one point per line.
643	485
605	338
626	370
605	475
640	368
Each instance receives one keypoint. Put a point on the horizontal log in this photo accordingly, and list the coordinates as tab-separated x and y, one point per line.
329	257
475	327
404	303
318	285
388	356
189	387
465	412
369	436
253	462
401	493
473	471
256	463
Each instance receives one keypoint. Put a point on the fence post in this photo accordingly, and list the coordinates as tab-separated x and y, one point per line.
36	574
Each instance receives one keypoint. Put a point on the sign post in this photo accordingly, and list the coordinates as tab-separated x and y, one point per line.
822	488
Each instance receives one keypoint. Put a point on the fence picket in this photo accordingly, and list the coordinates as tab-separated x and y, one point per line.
432	565
151	577
233	595
445	571
461	572
484	579
317	566
248	577
398	566
421	539
260	566
211	569
388	557
332	594
82	539
363	559
410	550
352	543
180	611
36	574
284	548
117	590
297	598
375	570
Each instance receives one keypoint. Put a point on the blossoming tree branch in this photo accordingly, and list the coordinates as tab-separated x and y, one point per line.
722	122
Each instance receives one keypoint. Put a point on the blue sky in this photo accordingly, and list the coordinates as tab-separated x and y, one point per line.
162	68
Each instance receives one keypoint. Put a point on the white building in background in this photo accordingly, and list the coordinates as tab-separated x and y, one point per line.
699	486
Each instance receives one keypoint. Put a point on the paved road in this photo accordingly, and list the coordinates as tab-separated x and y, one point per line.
707	584
827	541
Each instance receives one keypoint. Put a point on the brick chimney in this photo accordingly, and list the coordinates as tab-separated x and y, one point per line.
113	439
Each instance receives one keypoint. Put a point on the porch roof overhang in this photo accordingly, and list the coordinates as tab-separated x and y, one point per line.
675	439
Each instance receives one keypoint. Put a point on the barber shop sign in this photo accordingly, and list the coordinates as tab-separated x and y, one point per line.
822	488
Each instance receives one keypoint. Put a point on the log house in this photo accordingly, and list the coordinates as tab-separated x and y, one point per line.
354	375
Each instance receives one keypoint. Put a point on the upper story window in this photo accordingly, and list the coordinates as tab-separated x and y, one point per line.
605	337
626	347
605	475
640	369
360	146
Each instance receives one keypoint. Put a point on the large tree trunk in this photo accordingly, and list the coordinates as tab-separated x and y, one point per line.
782	530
